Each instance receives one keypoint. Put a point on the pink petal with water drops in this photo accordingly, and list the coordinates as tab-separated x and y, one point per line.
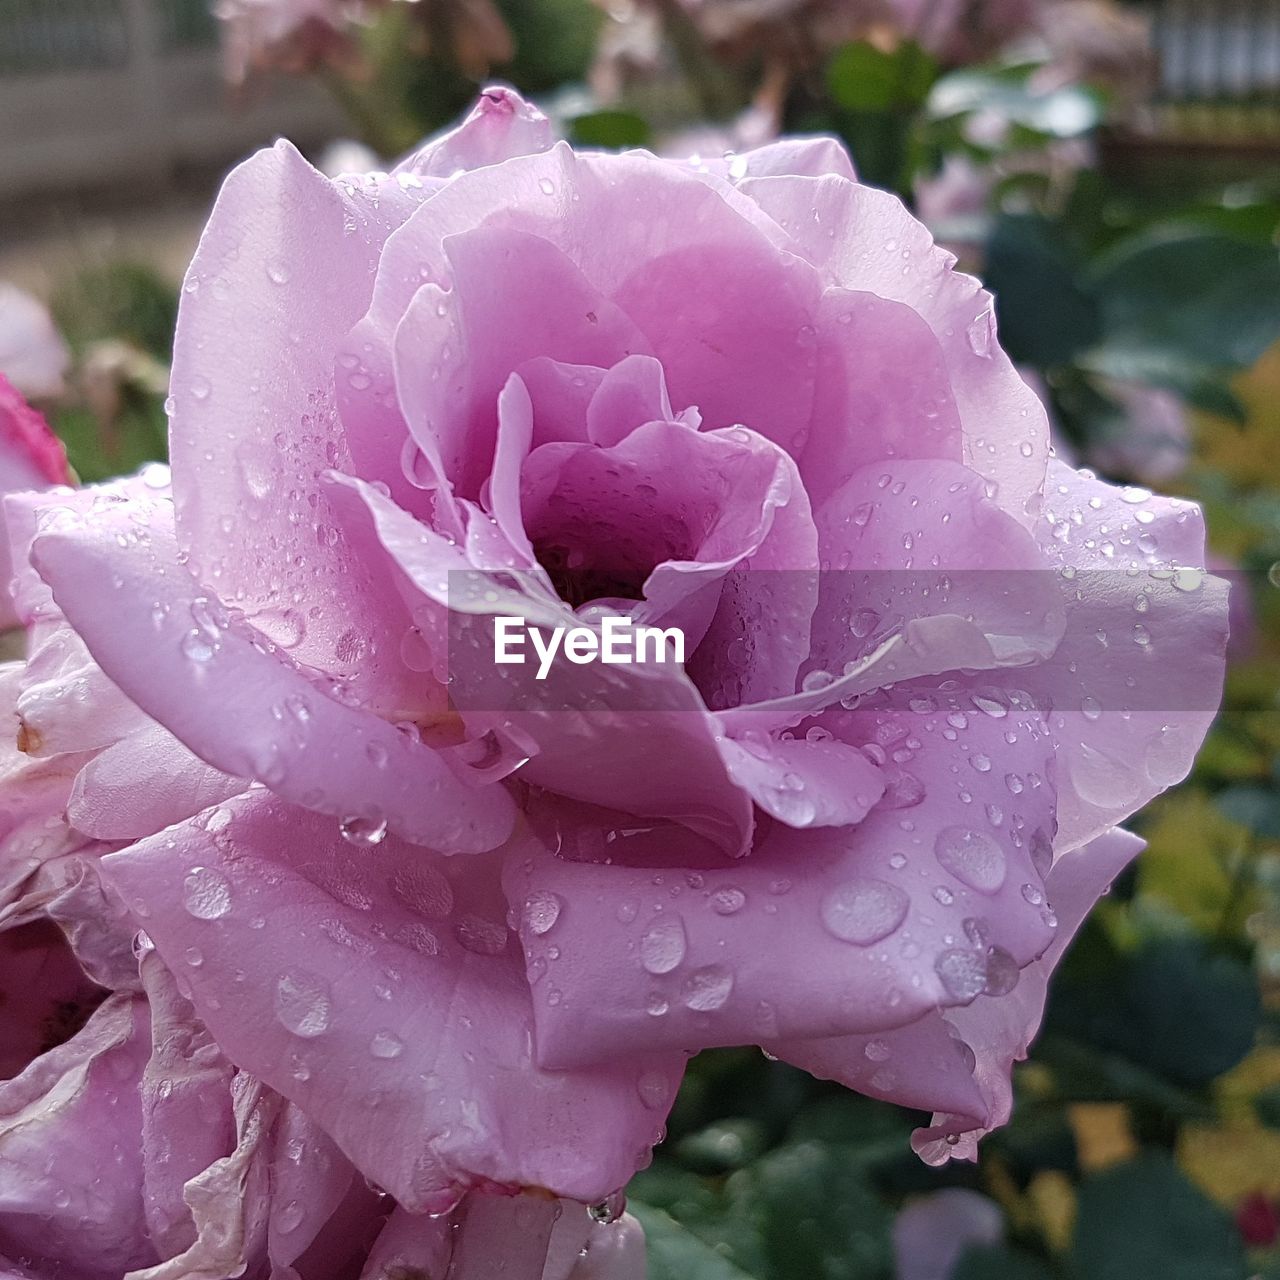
820	932
380	990
258	715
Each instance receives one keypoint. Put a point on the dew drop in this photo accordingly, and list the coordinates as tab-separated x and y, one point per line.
541	911
206	893
974	858
663	945
386	1044
963	973
728	901
302	1003
364	833
706	989
864	910
653	1088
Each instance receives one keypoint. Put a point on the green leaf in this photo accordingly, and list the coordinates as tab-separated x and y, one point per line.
609	129
1028	263
996	1262
1210	298
1267	1105
1175	1007
864	78
816	1216
1145	1221
675	1253
1067	112
1257	808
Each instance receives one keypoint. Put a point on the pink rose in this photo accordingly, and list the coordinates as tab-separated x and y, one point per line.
300	35
295	35
471	922
31	457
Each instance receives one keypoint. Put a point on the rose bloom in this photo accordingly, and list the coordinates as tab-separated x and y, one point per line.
31	457
470	924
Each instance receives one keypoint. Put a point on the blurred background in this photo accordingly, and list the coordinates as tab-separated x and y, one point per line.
1112	171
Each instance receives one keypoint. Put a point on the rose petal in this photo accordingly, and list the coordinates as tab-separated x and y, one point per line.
258	715
912	909
381	992
865	240
78	1101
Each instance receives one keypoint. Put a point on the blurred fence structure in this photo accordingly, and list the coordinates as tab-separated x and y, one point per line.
95	91
1219	77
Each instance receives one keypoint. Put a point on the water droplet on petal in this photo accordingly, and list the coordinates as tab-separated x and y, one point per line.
303	1003
707	989
363	832
386	1044
974	858
541	911
864	910
206	893
728	901
663	945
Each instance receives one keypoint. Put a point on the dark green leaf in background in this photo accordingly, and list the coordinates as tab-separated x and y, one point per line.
996	1262
616	129
862	77
1144	1221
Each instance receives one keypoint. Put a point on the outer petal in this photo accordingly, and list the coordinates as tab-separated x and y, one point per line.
853	929
143	784
501	126
819	783
78	1102
813	157
410	1244
867	409
33	355
999	1031
385	999
159	636
924	575
322	1212
1137	679
931	1234
187	1121
229	1200
31	457
94	920
284	269
866	240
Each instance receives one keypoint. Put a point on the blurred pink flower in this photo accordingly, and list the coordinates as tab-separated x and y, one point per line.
472	923
33	355
31	457
300	35
931	1235
1151	441
294	35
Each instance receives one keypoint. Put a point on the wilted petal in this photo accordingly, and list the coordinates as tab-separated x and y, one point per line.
78	1102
